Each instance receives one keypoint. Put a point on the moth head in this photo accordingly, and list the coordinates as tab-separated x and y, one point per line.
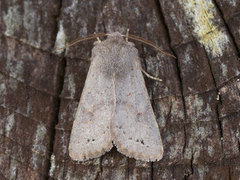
115	55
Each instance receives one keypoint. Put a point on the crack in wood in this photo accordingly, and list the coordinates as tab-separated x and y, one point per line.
191	163
60	88
229	173
218	101
185	140
152	171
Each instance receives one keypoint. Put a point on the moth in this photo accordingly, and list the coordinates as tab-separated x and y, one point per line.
114	107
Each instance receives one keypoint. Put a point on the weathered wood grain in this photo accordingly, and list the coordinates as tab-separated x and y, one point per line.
197	105
29	87
230	12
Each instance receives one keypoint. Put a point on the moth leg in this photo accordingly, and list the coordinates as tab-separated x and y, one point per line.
149	76
127	33
98	39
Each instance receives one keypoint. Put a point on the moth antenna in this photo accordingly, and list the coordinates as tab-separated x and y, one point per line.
128	36
140	39
127	33
151	77
81	39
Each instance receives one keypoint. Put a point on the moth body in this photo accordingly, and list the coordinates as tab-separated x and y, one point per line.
114	107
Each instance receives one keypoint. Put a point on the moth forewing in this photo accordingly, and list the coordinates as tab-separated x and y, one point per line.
91	136
135	129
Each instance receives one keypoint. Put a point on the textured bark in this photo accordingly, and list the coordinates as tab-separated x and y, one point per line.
197	105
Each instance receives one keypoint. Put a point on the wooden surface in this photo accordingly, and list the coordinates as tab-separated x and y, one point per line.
197	105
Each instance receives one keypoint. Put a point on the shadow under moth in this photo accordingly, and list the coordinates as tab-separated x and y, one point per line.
114	108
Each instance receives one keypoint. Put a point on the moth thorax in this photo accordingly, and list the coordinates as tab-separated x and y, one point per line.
115	56
116	65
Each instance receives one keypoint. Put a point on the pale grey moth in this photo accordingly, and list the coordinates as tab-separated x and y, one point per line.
114	108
